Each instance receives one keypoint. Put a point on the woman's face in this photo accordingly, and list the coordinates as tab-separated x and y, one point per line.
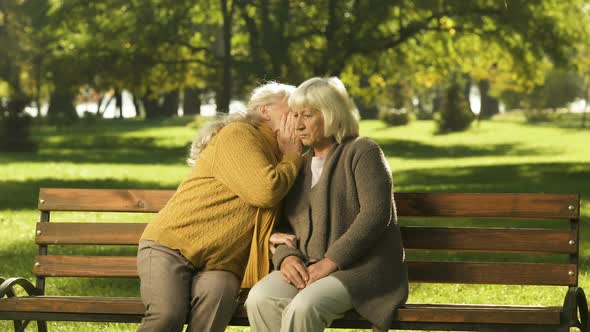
273	113
310	127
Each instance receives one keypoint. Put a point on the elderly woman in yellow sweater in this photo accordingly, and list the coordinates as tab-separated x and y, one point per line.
193	256
349	253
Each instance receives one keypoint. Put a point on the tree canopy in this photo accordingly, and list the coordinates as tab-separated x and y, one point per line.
385	51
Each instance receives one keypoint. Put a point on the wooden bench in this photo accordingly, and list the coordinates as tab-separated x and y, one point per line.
557	235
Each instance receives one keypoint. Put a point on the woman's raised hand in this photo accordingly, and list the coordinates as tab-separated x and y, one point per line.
289	142
282	238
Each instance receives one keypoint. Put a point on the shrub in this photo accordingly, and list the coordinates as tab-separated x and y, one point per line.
538	115
395	117
15	133
455	114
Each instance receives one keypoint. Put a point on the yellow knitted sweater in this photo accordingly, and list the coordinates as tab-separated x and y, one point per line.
228	202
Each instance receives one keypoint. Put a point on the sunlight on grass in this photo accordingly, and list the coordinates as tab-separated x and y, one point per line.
503	155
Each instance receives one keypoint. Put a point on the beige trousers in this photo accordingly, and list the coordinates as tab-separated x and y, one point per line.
274	305
173	290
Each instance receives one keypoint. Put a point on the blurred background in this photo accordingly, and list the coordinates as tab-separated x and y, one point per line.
69	59
463	96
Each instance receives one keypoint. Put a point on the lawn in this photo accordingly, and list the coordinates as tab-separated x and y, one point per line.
502	155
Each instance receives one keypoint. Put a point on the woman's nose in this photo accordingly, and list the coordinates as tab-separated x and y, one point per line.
299	124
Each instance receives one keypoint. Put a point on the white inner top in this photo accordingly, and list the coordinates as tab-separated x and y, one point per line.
317	166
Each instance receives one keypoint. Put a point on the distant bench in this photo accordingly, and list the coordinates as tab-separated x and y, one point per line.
519	241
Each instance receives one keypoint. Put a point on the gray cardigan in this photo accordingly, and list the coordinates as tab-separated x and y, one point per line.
352	214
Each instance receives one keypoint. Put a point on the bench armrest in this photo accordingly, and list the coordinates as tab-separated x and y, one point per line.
6	288
575	303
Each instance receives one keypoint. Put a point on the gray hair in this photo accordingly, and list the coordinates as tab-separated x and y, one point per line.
329	96
263	95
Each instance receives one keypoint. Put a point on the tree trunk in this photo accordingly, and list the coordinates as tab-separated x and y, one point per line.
587	106
118	104
437	100
399	100
467	91
366	110
39	78
102	107
170	105
191	104
489	105
584	115
152	106
136	104
61	107
225	93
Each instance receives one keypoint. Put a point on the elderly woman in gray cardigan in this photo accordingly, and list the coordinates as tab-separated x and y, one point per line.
339	246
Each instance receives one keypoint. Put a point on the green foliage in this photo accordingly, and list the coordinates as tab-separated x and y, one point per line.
455	114
15	133
395	117
560	88
539	115
386	51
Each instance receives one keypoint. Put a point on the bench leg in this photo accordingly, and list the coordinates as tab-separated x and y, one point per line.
41	326
20	326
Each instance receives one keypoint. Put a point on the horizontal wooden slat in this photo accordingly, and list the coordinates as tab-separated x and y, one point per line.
441	313
533	206
493	273
75	304
424	238
85	266
479	314
88	233
116	200
443	272
489	240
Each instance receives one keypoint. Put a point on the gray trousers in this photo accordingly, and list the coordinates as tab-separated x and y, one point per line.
173	290
274	305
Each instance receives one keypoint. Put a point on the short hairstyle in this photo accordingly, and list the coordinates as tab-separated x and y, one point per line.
268	94
263	95
329	96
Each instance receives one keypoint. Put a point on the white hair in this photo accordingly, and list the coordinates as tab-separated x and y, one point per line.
329	96
266	94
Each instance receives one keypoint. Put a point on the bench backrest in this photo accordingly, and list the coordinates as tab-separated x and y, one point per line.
424	232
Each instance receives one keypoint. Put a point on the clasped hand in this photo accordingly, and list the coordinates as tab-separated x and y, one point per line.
294	271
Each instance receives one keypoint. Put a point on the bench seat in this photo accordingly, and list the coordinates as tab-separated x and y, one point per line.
531	228
130	309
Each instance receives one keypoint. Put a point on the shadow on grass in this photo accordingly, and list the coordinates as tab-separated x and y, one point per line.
526	178
102	149
418	150
21	195
108	126
104	141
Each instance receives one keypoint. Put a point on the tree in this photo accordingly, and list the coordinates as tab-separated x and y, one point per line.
397	49
14	125
582	61
455	114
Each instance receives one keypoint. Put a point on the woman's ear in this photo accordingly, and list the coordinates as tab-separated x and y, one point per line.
264	112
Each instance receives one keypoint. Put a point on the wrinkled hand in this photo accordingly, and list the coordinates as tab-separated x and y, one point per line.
321	269
282	238
287	137
293	271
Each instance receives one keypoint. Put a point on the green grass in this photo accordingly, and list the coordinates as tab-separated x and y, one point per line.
503	155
